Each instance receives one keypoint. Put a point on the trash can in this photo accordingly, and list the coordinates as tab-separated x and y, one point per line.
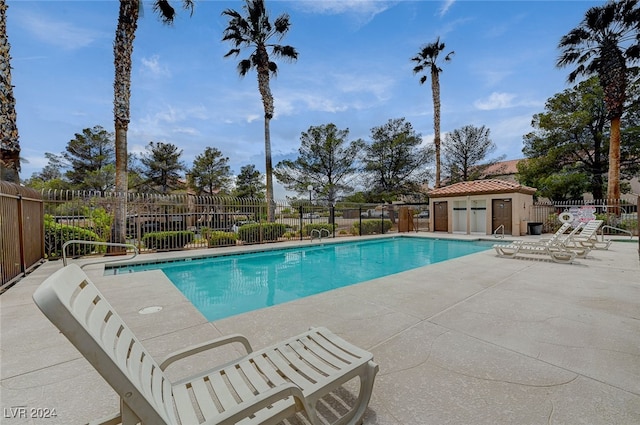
534	228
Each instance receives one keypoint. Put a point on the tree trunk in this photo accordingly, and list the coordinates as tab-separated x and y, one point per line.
122	52
9	144
613	185
435	90
269	171
267	101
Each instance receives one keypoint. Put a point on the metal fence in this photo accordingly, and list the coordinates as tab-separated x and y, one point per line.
186	221
21	231
620	216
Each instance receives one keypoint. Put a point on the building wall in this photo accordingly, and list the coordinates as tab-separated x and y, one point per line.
473	213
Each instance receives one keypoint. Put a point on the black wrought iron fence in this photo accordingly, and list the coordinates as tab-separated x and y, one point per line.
183	221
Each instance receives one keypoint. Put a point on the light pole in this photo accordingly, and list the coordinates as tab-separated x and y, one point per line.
310	188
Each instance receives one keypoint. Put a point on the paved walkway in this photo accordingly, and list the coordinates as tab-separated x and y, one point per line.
475	340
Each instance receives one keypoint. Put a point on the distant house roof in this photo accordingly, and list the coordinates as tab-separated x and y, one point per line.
503	168
477	187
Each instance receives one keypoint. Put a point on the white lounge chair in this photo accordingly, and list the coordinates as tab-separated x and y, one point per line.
551	247
262	387
588	237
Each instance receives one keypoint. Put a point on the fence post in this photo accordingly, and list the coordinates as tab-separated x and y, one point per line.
23	262
300	208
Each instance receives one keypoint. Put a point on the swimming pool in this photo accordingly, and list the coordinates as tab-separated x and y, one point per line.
223	286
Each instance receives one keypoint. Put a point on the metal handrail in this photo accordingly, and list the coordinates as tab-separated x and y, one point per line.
616	229
125	245
319	233
495	232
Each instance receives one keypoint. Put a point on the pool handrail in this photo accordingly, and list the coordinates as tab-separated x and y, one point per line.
77	241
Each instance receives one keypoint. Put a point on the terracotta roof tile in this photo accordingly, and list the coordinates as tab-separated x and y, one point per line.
480	186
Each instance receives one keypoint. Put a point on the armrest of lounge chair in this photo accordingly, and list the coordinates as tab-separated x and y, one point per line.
199	348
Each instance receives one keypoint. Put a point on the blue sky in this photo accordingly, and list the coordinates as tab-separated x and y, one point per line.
354	70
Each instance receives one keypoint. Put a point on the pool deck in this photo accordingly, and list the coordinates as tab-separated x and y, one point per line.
474	340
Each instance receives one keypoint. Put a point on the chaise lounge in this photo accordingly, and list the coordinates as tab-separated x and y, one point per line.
552	248
261	387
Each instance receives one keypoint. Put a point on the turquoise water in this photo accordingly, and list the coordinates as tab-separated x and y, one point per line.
227	285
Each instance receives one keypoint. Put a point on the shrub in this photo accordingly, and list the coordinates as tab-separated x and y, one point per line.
250	233
168	240
307	228
56	235
221	238
370	227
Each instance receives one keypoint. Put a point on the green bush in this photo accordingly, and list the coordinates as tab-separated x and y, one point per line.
56	235
168	240
250	233
370	227
307	228
221	238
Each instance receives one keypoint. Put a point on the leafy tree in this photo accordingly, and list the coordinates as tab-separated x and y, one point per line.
210	172
569	139
51	176
9	143
249	183
325	161
553	181
395	160
161	166
427	59
254	31
128	15
465	152
90	156
604	44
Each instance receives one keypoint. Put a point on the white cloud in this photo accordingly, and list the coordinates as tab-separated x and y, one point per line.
58	33
363	11
445	7
495	101
153	66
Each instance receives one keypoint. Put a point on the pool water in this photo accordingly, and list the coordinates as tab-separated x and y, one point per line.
223	286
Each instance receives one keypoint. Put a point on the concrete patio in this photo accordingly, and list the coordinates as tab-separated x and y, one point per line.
474	340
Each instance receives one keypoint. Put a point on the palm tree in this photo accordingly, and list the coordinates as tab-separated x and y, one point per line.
254	31
604	43
9	144
427	59
122	51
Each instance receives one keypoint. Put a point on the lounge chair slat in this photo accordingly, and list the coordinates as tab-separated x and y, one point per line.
283	366
239	384
254	377
267	369
184	405
310	357
222	391
203	398
294	358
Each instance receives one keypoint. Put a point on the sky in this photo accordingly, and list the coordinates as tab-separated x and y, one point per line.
354	70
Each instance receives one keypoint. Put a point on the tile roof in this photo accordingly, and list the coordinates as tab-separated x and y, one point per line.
481	186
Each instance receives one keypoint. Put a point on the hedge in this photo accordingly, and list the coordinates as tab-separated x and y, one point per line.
221	238
370	227
56	235
250	233
168	240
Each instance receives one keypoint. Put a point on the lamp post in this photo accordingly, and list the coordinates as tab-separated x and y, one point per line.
310	188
